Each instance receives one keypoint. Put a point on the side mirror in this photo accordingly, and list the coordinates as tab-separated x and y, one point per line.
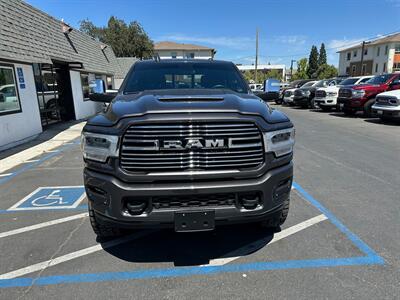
105	98
2	98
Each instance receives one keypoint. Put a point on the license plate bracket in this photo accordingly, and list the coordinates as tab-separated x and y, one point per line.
194	220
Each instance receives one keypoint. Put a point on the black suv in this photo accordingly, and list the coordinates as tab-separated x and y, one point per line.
185	144
304	97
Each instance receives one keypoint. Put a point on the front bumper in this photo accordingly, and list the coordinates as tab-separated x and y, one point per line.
301	101
327	101
387	111
350	103
109	196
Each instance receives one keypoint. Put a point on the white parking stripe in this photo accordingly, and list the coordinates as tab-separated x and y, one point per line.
41	225
58	260
238	253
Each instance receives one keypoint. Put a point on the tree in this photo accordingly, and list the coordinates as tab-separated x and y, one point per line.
126	40
313	63
326	71
262	75
322	56
302	67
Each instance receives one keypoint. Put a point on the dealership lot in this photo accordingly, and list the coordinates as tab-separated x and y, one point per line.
341	239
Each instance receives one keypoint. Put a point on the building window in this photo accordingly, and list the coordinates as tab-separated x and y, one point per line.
173	54
376	68
85	86
384	67
366	51
347	70
397	49
9	98
355	53
348	55
190	55
396	66
386	50
353	70
378	51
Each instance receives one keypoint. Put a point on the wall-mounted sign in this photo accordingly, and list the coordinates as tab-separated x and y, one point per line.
21	78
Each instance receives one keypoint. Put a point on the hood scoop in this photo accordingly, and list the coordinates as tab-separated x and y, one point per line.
190	98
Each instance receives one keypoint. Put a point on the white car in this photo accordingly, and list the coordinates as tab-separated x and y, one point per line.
387	105
288	95
326	97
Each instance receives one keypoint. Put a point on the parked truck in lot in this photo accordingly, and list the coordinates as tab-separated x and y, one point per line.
362	97
387	105
326	97
189	158
304	96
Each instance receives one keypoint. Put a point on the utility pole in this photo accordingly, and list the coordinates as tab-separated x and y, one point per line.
362	57
255	71
291	68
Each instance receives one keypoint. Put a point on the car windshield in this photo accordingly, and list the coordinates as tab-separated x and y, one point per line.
184	75
379	79
310	83
349	81
321	83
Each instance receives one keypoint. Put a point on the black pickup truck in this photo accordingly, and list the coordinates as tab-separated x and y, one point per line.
186	145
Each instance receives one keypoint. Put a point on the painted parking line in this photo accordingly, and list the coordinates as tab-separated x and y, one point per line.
371	258
238	253
67	257
6	174
78	208
42	225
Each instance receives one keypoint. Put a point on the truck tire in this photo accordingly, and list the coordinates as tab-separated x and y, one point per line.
274	223
101	230
368	108
312	104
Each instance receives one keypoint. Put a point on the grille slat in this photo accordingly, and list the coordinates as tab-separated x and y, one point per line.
320	94
146	147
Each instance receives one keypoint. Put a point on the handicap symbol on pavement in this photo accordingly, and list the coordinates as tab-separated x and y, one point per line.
60	197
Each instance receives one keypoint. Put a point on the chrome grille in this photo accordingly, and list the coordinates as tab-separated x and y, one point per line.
143	147
320	94
345	93
387	100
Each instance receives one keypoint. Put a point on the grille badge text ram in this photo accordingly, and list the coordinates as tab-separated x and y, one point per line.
191	143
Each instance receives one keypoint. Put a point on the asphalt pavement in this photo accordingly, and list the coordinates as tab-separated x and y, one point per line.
341	239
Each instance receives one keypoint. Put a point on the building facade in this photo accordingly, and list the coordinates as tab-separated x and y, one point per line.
171	50
46	68
376	57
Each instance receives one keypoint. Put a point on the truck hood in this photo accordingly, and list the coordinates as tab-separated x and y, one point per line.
333	88
367	87
394	93
185	101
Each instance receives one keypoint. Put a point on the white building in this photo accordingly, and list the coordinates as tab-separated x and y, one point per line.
380	56
45	70
265	68
169	50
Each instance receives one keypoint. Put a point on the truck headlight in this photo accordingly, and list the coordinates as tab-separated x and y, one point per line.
307	93
99	147
280	142
358	93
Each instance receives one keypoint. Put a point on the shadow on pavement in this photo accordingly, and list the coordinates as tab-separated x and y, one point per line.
385	123
191	249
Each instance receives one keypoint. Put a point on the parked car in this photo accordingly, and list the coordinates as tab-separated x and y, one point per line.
387	105
270	90
292	86
256	87
289	93
326	97
362	97
304	96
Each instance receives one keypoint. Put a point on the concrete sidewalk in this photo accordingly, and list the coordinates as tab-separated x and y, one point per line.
53	137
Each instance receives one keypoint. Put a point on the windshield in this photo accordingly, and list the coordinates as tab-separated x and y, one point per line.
321	83
184	75
349	81
310	83
379	79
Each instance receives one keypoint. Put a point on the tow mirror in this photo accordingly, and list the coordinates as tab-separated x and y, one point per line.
98	92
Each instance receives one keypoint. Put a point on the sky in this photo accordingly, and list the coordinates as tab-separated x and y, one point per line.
287	28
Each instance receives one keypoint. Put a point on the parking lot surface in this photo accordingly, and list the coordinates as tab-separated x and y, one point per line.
341	239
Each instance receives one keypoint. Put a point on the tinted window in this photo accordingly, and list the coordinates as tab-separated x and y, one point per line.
349	81
156	76
379	79
9	101
310	83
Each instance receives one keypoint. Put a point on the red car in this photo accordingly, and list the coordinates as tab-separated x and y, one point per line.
362	97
